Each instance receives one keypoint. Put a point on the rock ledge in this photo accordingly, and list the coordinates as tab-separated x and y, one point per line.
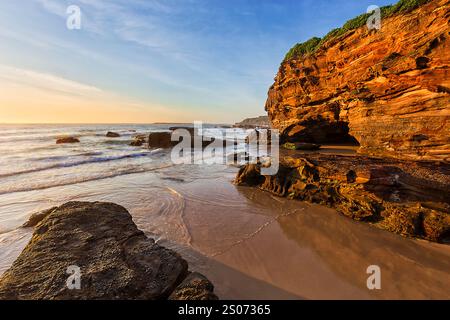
405	197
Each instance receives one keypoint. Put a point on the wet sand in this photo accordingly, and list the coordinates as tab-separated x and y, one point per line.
306	250
250	244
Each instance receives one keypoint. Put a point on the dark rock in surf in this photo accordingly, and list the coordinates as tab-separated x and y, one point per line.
112	135
115	259
138	141
160	140
64	140
164	139
191	130
249	175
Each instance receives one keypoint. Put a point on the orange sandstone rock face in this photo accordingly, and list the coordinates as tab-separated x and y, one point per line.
388	89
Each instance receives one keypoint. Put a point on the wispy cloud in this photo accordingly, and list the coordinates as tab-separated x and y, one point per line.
159	26
46	81
56	7
143	23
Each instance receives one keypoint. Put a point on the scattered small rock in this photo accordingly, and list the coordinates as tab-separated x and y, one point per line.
63	140
138	141
113	135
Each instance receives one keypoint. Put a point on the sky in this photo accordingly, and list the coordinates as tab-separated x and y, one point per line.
144	61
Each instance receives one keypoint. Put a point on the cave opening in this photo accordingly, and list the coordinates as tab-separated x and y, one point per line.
340	135
324	133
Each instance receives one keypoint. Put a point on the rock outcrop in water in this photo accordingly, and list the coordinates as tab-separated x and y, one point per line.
64	140
388	89
405	197
115	259
139	140
195	140
111	134
160	140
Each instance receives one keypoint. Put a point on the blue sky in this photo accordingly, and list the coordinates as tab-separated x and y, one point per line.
152	60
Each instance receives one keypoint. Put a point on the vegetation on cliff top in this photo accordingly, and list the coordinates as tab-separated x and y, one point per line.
313	44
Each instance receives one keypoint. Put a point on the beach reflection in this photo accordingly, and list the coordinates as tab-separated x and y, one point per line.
411	269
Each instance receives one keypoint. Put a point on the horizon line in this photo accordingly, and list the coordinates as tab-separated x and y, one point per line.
103	123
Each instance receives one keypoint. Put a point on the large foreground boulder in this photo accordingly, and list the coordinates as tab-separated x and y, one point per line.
100	243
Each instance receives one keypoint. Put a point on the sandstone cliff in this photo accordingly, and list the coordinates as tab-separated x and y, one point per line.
388	89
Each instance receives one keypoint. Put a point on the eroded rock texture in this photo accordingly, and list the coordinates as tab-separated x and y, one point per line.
116	259
387	89
194	287
406	197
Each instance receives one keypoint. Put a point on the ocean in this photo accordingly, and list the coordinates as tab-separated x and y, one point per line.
31	160
36	173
